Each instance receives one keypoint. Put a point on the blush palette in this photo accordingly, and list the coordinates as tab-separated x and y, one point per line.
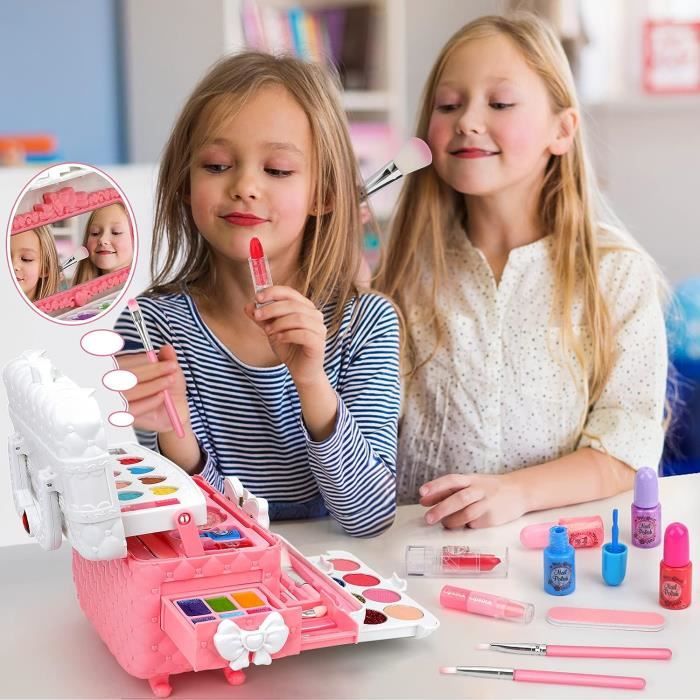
151	489
387	612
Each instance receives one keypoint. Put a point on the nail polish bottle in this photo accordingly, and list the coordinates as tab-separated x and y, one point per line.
559	563
676	570
646	510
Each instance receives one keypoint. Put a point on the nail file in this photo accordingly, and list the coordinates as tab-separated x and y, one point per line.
610	619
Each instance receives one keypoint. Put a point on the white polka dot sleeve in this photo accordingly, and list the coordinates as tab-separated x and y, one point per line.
626	421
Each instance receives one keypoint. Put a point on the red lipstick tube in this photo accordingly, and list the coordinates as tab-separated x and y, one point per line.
457	560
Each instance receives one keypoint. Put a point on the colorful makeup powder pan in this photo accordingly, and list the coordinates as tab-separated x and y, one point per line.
193	607
123	484
381	595
163	490
403	612
208	618
339	581
360	598
236	613
360	579
140	470
130	460
151	479
345	565
222	604
248	599
374	617
129	495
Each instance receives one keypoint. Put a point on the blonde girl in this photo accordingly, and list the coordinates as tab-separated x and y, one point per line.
110	243
535	342
294	390
35	262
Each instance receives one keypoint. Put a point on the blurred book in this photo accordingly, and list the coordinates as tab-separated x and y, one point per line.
339	35
18	149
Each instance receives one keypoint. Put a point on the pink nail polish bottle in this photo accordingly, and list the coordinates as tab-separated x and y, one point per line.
676	570
646	510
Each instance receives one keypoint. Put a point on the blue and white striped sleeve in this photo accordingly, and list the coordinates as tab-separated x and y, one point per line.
355	467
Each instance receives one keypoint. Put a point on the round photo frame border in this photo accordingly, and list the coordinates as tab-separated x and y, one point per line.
71	202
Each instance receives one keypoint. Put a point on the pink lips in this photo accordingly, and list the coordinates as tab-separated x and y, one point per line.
240	219
473	153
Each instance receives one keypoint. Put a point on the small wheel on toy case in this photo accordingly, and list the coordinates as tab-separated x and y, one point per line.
160	686
234	677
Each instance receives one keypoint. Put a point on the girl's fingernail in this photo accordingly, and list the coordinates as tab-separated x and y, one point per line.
423	490
430	519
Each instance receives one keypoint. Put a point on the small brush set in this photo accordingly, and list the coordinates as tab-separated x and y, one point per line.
173	575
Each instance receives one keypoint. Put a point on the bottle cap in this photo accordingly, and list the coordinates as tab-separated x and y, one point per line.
614	557
646	488
676	545
559	539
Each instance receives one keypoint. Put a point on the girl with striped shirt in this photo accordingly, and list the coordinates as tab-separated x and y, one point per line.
294	390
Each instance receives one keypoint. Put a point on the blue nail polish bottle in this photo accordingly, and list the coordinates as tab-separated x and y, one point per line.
559	563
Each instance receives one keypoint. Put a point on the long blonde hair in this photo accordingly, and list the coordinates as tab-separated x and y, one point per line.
571	207
86	270
331	245
48	264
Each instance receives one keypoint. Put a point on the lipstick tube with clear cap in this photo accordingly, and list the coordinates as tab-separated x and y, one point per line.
259	267
457	560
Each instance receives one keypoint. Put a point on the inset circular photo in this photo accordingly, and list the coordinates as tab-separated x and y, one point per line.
71	243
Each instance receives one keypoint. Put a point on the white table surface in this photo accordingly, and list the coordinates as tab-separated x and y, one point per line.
49	649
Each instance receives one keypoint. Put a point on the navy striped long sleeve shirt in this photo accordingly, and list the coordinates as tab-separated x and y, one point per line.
248	419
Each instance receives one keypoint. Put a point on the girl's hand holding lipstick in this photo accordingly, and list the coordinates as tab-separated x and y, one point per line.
295	330
472	500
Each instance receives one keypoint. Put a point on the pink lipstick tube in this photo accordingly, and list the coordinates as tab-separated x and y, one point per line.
479	603
583	532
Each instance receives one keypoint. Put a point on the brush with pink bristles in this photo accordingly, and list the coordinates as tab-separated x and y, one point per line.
413	156
140	324
79	255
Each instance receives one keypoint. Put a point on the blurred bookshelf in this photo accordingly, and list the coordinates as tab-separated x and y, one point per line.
364	39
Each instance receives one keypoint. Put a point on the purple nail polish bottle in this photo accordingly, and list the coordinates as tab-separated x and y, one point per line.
646	510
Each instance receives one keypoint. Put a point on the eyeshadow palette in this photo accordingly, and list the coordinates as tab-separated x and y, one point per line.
388	611
151	489
223	605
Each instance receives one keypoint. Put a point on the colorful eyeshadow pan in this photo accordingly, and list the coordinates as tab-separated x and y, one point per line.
122	484
248	599
381	595
374	617
360	579
130	460
129	495
345	565
222	604
360	598
203	619
163	490
151	479
237	613
116	451
193	607
403	612
141	470
339	581
252	611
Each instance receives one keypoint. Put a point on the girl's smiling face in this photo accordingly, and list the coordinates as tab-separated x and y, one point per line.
253	177
109	240
25	252
492	125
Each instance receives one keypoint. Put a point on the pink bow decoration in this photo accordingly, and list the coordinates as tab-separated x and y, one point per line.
235	644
